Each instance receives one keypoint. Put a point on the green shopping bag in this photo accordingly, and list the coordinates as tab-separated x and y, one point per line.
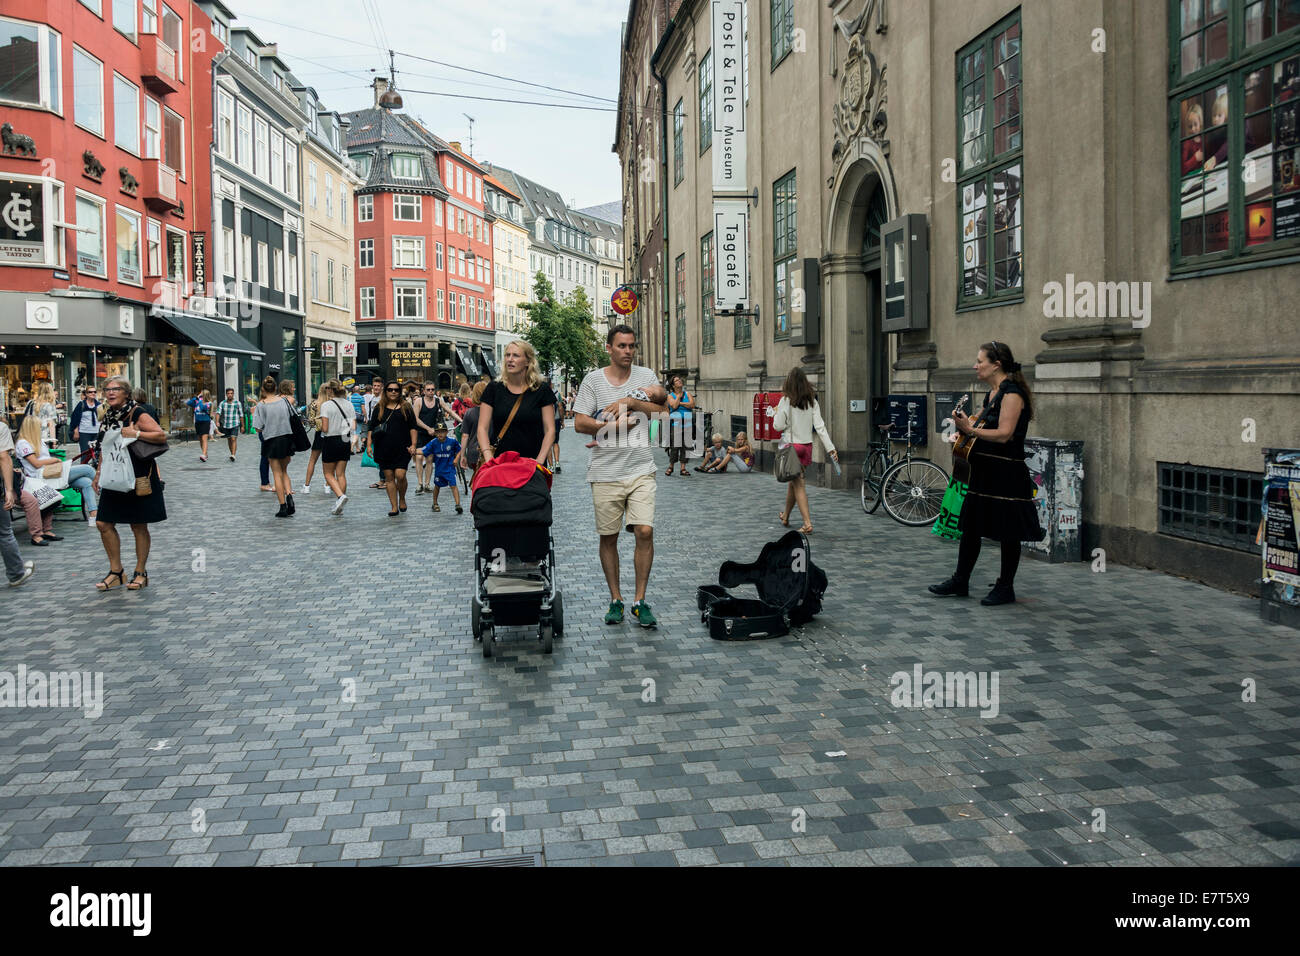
367	461
945	526
654	431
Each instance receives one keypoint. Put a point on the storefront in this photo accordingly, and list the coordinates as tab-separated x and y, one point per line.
329	358
69	368
187	354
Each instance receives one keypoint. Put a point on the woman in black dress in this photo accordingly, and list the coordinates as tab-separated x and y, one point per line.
518	390
1000	502
128	507
391	443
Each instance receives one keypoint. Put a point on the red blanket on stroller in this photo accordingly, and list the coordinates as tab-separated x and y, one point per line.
508	470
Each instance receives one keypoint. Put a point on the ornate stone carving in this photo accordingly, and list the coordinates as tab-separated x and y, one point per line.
16	144
130	185
92	167
860	94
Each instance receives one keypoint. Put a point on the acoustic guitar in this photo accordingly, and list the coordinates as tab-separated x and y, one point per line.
965	444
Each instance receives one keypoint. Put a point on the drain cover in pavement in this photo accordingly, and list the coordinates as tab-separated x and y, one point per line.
526	859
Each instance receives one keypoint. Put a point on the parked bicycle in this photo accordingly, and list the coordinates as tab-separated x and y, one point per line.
910	487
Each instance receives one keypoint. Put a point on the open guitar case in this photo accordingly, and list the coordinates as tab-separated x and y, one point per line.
789	585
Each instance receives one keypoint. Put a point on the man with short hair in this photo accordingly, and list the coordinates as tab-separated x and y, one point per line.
614	405
230	414
359	407
85	419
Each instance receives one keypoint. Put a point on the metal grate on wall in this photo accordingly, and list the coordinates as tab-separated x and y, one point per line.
1215	505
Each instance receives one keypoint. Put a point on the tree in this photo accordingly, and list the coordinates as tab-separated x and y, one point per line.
561	330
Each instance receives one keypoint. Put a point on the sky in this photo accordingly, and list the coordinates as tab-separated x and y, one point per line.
570	44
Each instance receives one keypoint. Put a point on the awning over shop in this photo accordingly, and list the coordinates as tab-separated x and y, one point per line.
209	333
489	363
467	363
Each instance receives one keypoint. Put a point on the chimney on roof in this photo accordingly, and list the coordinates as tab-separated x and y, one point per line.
381	87
455	144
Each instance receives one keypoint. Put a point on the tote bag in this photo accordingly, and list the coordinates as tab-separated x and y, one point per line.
115	470
945	526
788	467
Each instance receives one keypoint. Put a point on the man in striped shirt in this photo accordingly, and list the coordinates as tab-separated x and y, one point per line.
614	405
230	414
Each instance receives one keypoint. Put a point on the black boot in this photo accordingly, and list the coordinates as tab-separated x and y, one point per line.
952	586
283	512
1001	594
288	500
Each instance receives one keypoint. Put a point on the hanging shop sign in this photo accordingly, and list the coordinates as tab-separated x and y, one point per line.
728	96
731	254
22	221
623	301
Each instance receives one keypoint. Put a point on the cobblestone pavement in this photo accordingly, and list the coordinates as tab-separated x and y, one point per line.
225	680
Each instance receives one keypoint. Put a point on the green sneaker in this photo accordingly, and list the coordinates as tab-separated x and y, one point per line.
641	611
615	613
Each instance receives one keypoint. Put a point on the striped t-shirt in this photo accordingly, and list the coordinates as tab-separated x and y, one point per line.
612	459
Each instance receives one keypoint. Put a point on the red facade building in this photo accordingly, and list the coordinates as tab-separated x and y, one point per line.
105	182
424	252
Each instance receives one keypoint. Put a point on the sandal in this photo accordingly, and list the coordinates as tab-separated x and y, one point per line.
806	529
669	471
105	586
436	506
140	579
784	518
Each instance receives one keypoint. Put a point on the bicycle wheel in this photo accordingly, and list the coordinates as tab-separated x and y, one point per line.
913	490
873	476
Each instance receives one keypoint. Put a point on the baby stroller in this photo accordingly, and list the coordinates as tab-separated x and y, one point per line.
514	554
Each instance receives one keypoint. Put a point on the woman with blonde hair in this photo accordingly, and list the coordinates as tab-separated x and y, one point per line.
33	452
323	395
45	407
515	412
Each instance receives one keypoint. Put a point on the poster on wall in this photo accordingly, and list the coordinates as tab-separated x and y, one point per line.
329	348
1282	523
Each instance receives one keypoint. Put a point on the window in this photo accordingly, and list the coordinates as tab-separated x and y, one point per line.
344	297
245	257
227	251
220	31
149	16
277	81
680	282
706	294
31	71
175	253
437	212
463	317
1215	505
329	196
87	91
124	17
460	179
277	159
782	29
126	114
315	275
366	254
478	189
263	265
244	117
277	269
250	58
441	316
293	274
989	175
128	247
706	101
366	208
153	247
173	142
1239	112
405	165
90	236
460	221
437	246
407	208
173	36
784	249
343	205
329	280
311	184
408	252
152	129
94	6
368	302
261	149
225	123
408	301
361	163
291	169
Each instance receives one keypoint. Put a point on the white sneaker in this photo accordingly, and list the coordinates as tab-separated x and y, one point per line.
338	505
29	568
91	520
306	489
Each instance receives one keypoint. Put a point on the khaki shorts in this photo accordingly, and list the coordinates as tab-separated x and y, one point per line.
622	504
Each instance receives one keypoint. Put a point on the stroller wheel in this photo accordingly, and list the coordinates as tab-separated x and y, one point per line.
476	619
488	640
557	614
547	633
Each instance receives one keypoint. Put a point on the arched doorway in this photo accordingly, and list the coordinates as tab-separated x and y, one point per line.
863	199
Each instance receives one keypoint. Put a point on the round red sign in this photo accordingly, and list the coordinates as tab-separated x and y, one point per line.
623	301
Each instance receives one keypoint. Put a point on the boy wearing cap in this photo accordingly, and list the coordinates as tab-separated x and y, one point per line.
443	451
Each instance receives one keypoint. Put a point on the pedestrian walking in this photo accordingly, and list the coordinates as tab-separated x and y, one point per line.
798	415
681	418
230	416
139	508
1000	502
17	571
35	457
442	452
392	443
140	398
358	400
516	413
469	451
370	402
338	425
622	466
558	410
85	419
323	395
201	406
429	414
267	391
271	419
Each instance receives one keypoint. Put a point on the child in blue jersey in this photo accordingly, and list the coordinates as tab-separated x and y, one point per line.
443	451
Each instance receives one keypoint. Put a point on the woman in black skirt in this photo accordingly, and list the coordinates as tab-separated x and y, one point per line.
391	442
271	419
1000	502
128	507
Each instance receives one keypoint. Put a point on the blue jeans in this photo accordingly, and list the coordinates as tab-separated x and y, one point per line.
9	546
80	477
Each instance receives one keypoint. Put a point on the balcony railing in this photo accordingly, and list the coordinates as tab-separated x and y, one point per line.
158	65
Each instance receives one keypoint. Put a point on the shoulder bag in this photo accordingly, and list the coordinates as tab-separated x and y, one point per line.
509	418
144	450
300	440
787	466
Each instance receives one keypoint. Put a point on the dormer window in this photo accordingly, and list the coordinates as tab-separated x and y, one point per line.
251	57
277	81
361	163
405	166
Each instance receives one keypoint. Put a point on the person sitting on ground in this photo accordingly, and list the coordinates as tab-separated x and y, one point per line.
715	457
742	455
442	451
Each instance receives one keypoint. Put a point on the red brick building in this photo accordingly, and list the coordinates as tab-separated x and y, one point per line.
424	252
105	185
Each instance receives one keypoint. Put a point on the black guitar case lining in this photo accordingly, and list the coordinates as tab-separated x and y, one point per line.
789	585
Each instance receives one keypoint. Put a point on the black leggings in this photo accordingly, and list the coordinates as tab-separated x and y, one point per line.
969	553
